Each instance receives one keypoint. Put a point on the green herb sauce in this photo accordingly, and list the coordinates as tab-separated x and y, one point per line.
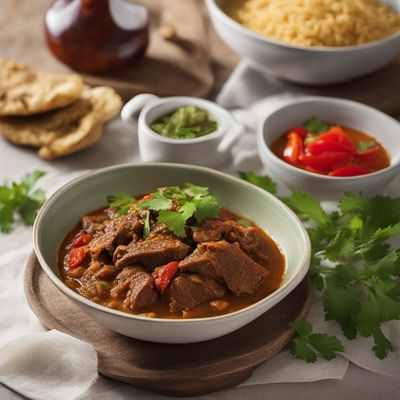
188	122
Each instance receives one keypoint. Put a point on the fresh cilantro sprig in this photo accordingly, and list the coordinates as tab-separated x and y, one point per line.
174	206
315	128
122	201
306	345
365	145
315	125
20	198
353	264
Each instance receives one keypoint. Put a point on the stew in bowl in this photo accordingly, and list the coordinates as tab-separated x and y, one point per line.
134	257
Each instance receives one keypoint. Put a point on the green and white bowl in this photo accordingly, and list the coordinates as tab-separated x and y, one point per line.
64	209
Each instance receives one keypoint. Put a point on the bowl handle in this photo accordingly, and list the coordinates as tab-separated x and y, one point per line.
133	107
231	136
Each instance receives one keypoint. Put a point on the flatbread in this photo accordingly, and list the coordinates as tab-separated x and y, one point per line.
66	130
71	143
25	91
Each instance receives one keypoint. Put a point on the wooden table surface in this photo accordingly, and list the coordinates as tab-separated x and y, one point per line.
19	32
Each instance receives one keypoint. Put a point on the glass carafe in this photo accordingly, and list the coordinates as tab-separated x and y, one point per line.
97	35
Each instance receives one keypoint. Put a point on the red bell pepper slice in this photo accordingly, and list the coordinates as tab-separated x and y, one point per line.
333	140
76	257
349	170
320	146
315	171
293	148
370	156
300	130
165	277
326	161
81	240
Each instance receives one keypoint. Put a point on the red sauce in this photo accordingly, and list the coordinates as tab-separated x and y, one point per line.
97	35
339	151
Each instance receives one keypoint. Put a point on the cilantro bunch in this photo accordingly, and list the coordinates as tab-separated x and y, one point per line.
20	198
353	265
174	205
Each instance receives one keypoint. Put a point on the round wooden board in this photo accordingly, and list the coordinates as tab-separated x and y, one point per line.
179	370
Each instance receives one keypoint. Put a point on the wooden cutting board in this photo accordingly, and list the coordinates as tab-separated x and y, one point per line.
179	370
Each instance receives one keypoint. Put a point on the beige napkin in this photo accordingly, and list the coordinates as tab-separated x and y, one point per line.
48	365
38	364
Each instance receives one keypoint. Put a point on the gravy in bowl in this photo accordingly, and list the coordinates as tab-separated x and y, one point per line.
134	258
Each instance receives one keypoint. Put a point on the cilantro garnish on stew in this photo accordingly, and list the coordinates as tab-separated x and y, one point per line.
174	205
22	199
361	290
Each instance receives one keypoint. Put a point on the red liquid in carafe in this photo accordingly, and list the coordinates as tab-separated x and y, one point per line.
97	35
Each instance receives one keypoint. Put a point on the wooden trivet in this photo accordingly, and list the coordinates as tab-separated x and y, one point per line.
179	370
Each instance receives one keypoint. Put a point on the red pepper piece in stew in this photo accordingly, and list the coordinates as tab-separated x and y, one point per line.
76	257
166	276
81	240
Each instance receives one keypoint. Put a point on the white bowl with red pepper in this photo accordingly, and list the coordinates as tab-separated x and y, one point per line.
327	146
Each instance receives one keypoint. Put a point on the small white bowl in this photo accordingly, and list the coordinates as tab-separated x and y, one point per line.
338	111
210	150
65	208
306	64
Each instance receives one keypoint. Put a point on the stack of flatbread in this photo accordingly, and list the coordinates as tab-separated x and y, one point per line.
53	112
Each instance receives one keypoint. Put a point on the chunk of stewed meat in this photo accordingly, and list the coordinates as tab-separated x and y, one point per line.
250	241
106	272
91	270
95	289
249	238
93	223
188	291
157	229
93	283
219	305
75	273
117	231
136	287
211	230
153	252
228	263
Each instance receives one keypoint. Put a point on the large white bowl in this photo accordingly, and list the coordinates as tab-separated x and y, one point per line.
65	208
338	111
302	64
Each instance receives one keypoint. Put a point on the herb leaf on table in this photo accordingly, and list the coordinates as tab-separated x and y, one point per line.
20	198
353	265
306	345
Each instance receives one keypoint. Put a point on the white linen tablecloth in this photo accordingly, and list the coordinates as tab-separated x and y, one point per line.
252	95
